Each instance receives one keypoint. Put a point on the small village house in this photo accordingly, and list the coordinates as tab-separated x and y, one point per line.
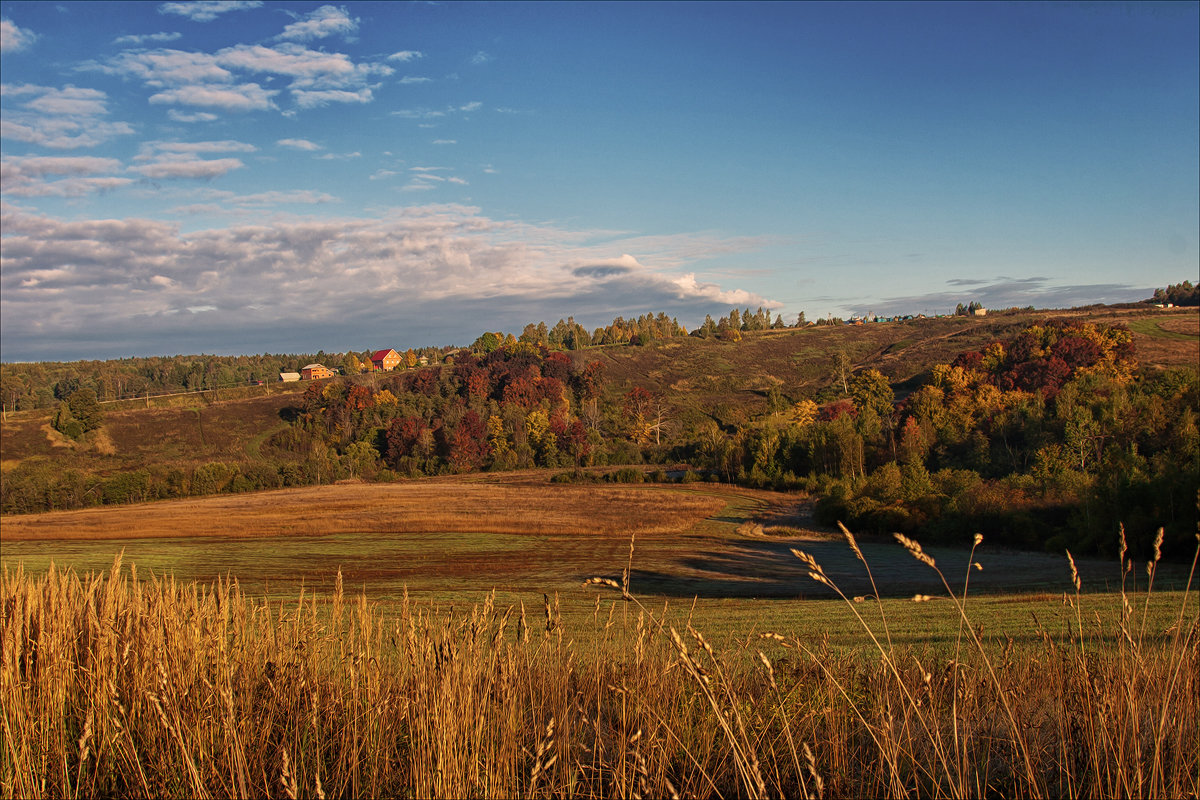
315	372
385	360
289	377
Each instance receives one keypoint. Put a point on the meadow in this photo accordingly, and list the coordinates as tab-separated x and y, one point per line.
502	637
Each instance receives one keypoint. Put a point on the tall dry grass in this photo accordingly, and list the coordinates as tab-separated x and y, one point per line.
111	685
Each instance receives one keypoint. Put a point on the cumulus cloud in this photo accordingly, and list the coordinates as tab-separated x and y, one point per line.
142	38
311	99
325	21
27	176
224	146
207	10
298	144
128	284
186	164
195	116
244	97
61	119
14	38
210	80
162	68
406	55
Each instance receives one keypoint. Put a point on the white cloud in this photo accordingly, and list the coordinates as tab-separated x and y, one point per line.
62	119
480	58
457	180
186	165
418	113
309	69
142	38
25	176
198	116
312	99
433	113
244	97
37	166
325	21
298	144
14	38
70	101
379	175
339	156
411	79
406	55
162	68
225	146
61	134
445	141
207	10
133	280
210	80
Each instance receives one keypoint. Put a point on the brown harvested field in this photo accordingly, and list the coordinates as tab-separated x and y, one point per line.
453	506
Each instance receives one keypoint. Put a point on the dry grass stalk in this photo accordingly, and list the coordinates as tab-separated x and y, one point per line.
115	686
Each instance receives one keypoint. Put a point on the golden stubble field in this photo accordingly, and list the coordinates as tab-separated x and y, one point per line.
455	506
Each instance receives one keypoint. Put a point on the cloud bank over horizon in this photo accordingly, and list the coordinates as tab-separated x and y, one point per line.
416	273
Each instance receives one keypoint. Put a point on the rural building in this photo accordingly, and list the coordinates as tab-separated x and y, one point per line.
385	360
288	377
314	372
981	312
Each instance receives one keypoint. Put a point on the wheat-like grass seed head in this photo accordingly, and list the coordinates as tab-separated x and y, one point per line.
852	542
914	548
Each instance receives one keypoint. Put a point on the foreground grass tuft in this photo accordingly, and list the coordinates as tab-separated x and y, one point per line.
114	686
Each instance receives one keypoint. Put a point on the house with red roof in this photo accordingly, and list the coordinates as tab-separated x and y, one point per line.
385	360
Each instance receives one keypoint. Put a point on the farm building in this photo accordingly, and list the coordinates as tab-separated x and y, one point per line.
289	377
314	372
386	360
981	312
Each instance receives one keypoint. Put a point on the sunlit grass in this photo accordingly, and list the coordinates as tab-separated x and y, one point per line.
113	685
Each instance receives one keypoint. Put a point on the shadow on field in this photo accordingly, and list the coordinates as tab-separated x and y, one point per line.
767	568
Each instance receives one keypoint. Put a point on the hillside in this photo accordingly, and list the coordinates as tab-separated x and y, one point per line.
706	374
697	376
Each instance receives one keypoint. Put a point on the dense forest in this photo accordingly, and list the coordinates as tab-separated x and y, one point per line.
1050	438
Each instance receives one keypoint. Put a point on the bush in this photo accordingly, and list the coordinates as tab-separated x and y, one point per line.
212	478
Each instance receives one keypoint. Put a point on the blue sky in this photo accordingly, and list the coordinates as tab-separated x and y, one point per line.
237	177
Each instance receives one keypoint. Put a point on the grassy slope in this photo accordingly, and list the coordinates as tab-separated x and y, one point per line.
706	376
